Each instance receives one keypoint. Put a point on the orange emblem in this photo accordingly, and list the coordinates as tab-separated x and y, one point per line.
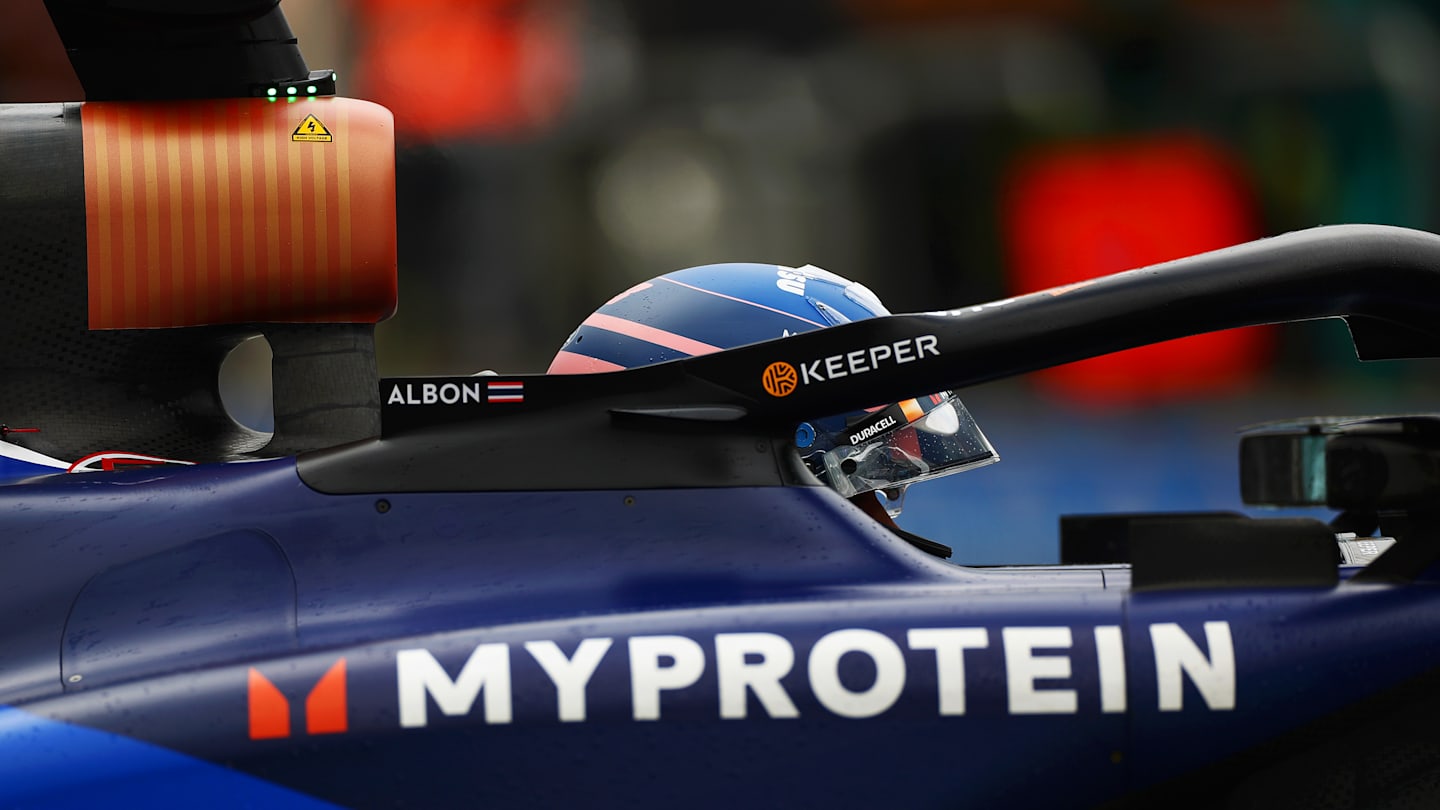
325	706
779	379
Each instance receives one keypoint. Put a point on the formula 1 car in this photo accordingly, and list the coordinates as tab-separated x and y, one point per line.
624	589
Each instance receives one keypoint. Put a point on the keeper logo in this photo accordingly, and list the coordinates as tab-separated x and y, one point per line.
779	379
864	361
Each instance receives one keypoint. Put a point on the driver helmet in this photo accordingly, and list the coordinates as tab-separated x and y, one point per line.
721	306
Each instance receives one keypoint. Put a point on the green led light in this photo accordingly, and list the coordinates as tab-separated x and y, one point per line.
310	89
290	90
270	92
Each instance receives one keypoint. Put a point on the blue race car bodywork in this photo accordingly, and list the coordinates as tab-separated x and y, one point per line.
643	648
624	589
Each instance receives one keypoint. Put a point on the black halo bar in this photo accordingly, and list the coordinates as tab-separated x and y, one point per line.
1385	281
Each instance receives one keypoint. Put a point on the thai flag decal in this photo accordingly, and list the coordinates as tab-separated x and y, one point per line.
506	391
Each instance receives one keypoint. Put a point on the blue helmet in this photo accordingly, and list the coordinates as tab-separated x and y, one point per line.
720	306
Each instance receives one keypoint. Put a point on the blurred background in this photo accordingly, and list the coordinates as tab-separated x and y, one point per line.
945	152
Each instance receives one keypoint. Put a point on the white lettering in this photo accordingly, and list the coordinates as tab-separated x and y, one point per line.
751	669
825	672
1023	667
418	674
1176	652
884	424
844	365
430	393
950	644
790	281
1110	652
648	677
570	675
737	675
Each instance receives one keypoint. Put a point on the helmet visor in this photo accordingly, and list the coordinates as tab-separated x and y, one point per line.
910	441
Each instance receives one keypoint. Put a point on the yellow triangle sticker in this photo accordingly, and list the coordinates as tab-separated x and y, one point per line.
311	131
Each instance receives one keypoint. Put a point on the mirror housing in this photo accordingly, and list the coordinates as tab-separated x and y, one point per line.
1364	464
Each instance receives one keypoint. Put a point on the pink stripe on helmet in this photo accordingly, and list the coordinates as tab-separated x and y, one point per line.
650	334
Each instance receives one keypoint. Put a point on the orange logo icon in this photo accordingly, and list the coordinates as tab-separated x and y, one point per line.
779	379
324	706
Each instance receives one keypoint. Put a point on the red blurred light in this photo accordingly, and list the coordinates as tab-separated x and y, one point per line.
1084	210
459	69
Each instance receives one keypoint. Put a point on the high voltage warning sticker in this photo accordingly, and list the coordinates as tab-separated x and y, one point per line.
311	131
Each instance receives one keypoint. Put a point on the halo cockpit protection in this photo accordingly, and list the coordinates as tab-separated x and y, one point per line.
706	309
